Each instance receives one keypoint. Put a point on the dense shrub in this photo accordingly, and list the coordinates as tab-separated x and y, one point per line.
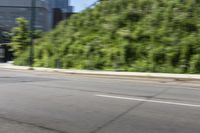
131	35
195	64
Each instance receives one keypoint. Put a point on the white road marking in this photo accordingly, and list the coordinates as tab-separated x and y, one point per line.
150	101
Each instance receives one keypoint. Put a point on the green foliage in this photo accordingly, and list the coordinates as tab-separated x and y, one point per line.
20	38
195	64
131	35
22	59
20	41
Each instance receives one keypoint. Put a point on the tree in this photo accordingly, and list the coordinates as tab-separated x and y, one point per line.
21	37
20	41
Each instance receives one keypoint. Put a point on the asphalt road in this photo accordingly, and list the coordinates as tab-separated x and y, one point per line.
41	102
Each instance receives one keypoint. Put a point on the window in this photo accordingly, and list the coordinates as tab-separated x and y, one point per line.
2	52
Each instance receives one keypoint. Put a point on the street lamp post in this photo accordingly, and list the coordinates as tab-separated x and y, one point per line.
32	28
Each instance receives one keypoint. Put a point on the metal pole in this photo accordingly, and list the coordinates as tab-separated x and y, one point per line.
32	28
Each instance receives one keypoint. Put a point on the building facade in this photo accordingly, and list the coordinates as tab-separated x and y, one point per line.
61	4
60	10
12	9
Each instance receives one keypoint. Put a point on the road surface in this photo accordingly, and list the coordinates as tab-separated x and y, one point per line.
41	102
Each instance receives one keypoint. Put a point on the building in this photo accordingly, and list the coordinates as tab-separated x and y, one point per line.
62	5
60	10
12	9
45	12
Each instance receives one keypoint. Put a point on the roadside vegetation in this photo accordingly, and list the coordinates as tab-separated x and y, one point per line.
124	35
20	41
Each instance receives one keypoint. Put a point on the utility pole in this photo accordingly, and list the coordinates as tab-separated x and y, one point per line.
32	29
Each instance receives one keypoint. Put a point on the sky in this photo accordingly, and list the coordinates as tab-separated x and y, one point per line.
81	4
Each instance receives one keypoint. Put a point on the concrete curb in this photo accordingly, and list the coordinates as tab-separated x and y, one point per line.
108	73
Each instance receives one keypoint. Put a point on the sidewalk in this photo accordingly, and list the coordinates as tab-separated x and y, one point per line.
107	73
